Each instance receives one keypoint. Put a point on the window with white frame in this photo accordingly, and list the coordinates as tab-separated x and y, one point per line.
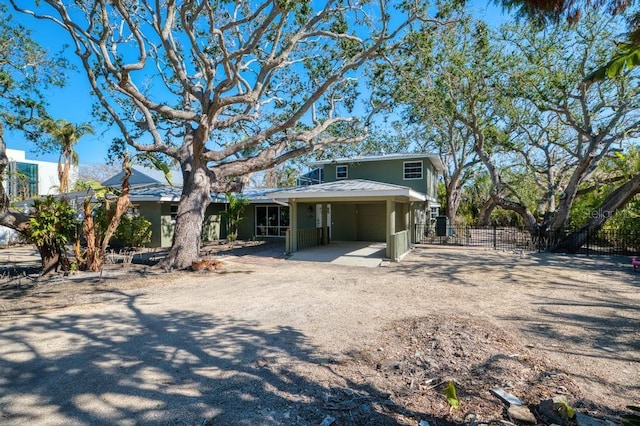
435	212
412	170
272	221
342	172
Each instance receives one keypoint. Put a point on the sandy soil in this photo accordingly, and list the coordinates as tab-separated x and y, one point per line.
270	341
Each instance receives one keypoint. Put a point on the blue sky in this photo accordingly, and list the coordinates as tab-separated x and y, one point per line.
74	103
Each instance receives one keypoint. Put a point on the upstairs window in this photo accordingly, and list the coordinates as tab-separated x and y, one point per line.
342	172
412	170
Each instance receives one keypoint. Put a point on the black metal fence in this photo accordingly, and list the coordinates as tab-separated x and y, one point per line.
604	241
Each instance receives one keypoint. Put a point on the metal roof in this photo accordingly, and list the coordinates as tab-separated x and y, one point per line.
350	188
141	175
166	193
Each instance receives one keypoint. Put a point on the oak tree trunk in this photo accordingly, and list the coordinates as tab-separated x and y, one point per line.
612	203
484	215
53	258
196	197
454	197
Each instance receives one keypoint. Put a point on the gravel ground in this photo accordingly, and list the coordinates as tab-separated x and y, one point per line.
266	340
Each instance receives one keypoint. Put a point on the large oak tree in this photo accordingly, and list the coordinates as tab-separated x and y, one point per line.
226	88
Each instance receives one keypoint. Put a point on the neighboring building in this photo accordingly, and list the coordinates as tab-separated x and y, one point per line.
26	179
141	175
389	198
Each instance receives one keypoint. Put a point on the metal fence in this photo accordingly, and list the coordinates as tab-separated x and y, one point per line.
604	241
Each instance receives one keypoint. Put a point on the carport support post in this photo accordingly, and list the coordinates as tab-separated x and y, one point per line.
325	226
293	226
406	208
391	224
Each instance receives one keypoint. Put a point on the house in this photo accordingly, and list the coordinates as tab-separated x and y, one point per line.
386	198
153	197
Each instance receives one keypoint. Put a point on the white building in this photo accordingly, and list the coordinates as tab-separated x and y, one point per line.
32	178
25	179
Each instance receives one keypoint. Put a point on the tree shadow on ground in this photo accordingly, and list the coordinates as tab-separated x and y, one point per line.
456	264
176	367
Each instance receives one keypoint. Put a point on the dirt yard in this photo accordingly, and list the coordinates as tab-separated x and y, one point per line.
265	340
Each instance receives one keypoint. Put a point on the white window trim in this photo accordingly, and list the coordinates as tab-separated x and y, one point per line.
404	171
346	172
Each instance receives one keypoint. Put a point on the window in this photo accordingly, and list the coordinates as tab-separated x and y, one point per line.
22	180
412	170
272	221
342	172
435	212
174	212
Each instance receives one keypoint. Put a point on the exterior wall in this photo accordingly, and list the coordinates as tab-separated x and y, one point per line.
159	214
151	212
247	228
48	177
306	215
343	222
371	222
212	226
388	171
401	212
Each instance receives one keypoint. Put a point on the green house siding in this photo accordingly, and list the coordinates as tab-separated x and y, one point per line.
167	222
212	226
387	171
150	211
247	228
371	222
162	218
306	215
343	222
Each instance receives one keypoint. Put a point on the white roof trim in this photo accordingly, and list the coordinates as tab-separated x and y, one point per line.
410	193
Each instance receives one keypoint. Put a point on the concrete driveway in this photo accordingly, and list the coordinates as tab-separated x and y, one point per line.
348	253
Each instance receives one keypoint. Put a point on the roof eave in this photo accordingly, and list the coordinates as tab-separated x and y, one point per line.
409	193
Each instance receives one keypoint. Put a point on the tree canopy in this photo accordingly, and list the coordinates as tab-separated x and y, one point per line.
227	88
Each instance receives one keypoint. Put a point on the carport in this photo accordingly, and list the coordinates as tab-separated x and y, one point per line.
350	253
352	210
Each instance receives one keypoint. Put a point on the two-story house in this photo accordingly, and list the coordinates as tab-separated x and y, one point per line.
386	198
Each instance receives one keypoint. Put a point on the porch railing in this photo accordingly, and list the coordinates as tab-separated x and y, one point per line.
306	237
400	244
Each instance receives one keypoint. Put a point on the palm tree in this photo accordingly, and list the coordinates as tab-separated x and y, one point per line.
64	136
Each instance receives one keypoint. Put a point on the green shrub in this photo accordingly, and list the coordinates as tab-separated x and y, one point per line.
134	231
51	226
53	222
